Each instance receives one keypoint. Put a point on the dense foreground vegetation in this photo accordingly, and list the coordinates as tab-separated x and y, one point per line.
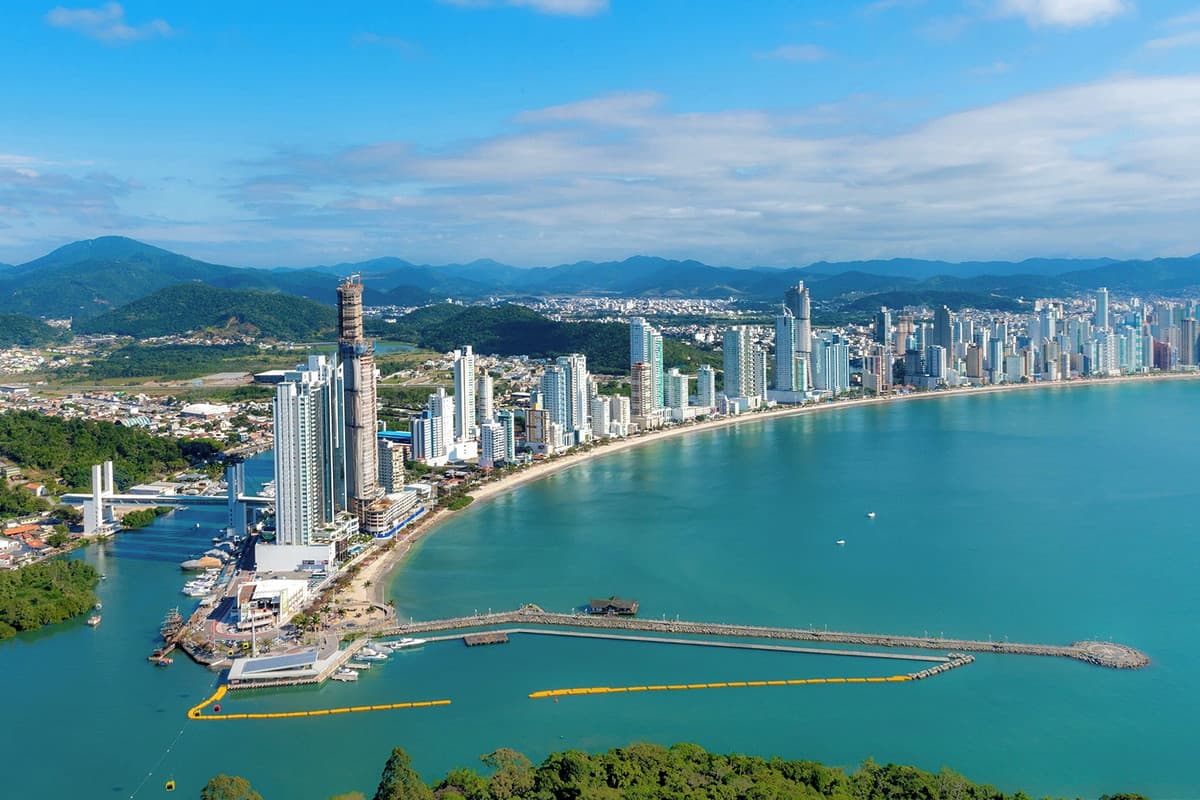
67	448
653	772
511	330
45	593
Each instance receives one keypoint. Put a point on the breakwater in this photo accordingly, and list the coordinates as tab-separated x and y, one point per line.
1101	654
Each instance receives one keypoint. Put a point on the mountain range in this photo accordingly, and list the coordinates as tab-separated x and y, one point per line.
89	278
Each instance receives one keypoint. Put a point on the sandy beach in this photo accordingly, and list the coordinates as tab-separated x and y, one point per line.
370	585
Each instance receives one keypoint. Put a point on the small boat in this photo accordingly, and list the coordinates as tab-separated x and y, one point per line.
359	665
164	662
103	577
840	541
372	655
407	642
197	524
94	620
870	515
345	675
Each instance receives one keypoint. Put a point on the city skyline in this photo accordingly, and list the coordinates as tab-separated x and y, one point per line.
799	130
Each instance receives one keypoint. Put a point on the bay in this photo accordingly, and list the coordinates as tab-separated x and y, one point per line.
1050	515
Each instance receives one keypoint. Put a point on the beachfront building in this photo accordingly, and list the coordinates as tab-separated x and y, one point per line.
677	394
619	414
641	397
601	413
493	448
464	394
706	387
507	419
485	408
745	372
831	364
391	465
433	430
646	347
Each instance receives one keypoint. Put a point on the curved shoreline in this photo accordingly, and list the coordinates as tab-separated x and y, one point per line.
372	584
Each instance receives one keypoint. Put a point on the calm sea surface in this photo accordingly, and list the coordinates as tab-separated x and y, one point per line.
1051	515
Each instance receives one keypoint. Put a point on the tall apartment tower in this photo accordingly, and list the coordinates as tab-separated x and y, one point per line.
464	395
798	301
706	386
943	330
310	475
485	407
646	347
739	362
1102	308
883	326
641	395
358	367
785	353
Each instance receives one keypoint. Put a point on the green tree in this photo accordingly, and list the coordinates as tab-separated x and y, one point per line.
399	781
513	775
349	796
229	787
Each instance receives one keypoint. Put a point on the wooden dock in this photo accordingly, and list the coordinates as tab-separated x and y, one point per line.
491	637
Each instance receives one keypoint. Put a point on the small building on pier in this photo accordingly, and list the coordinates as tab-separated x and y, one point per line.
613	607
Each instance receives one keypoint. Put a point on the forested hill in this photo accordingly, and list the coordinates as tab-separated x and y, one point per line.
511	330
22	331
196	306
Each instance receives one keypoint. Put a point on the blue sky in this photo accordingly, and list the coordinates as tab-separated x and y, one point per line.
544	131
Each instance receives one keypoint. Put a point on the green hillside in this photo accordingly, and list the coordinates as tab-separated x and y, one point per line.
22	331
510	330
195	306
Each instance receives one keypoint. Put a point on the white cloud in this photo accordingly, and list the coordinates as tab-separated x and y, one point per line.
1188	39
573	8
106	23
795	52
1063	13
1097	169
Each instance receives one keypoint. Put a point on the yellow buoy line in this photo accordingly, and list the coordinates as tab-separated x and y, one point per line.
954	661
197	711
724	685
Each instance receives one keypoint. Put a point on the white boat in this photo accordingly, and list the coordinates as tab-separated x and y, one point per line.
94	620
870	515
371	655
407	642
358	665
840	541
345	675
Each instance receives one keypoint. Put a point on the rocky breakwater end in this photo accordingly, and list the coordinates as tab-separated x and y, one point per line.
1101	654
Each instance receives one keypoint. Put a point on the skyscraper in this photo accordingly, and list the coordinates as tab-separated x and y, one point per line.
706	386
358	367
641	394
601	416
677	392
739	362
646	347
464	394
309	458
1102	308
831	365
785	353
554	393
577	388
485	408
798	301
943	330
505	417
883	325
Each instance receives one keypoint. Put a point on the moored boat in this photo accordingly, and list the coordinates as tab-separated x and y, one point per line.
94	620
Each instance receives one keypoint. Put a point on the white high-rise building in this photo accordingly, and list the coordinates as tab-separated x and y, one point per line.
798	301
646	347
485	408
677	392
601	417
493	444
310	480
619	414
760	371
554	393
433	430
831	365
464	394
506	418
1102	308
706	387
391	466
739	362
578	392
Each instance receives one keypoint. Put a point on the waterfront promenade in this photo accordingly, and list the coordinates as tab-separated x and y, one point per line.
1101	654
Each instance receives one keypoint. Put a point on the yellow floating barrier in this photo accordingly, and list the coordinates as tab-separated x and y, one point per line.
719	685
197	712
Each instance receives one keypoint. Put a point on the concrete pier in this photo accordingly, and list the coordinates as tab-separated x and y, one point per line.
1101	654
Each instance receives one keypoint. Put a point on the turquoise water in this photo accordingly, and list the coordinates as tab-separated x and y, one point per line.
1052	515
